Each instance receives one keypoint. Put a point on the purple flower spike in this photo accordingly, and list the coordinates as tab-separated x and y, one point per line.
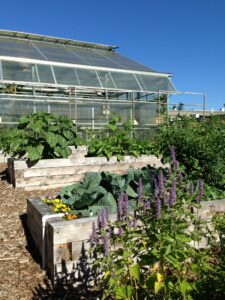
139	189
172	196
174	186
180	177
176	164
111	231
120	231
125	205
200	189
120	208
147	205
103	223
155	184
164	198
106	245
172	154
107	215
192	188
161	183
158	209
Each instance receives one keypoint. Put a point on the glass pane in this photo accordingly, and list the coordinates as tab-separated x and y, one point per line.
58	53
19	71
155	83
145	114
45	74
106	79
11	110
94	57
88	78
123	62
18	48
65	75
125	81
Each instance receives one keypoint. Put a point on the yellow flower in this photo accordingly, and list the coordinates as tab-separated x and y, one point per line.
159	277
56	200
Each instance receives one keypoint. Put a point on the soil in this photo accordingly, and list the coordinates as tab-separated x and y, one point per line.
21	276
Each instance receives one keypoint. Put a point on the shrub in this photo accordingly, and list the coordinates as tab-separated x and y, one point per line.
39	136
119	141
200	147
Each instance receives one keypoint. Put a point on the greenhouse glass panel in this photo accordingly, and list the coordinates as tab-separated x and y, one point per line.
61	109
106	79
84	114
58	53
88	78
123	62
45	74
12	110
125	81
145	113
93	57
123	110
18	48
154	83
65	75
19	71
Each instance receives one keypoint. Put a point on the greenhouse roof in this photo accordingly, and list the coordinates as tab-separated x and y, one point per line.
26	57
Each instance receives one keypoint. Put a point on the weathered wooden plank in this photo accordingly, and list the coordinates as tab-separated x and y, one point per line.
70	162
50	180
73	170
42	187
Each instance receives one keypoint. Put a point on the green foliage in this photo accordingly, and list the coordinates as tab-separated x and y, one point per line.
118	141
100	190
40	135
199	146
160	257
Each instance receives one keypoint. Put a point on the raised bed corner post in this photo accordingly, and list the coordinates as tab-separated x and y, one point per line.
44	221
11	171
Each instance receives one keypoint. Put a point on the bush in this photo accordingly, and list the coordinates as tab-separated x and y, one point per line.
39	136
119	141
200	147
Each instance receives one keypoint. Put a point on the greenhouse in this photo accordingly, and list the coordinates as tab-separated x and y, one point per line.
87	82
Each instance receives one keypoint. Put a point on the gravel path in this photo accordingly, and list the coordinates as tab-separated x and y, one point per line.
21	276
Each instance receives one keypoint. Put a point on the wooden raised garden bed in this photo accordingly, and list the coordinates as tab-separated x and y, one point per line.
53	173
66	242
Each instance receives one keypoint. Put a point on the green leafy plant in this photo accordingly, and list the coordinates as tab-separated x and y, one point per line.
98	190
199	145
39	136
119	141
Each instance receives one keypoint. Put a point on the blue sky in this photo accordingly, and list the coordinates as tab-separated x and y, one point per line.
184	37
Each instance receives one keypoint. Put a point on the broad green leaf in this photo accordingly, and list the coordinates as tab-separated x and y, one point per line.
158	286
130	192
51	139
35	153
124	292
135	271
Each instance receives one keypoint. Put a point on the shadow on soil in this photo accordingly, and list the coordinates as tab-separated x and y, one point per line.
30	244
4	175
79	284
